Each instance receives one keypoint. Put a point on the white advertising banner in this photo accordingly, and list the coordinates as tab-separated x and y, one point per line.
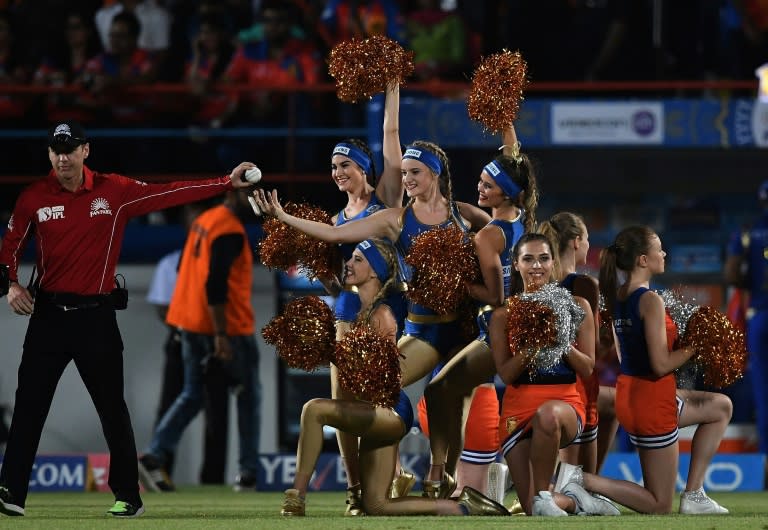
595	123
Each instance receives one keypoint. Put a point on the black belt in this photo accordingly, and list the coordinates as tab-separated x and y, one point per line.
71	301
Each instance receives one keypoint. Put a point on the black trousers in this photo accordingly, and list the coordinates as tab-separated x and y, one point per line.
89	337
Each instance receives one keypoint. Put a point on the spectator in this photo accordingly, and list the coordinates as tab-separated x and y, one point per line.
347	19
65	65
124	66
211	54
155	34
438	39
278	58
255	32
212	307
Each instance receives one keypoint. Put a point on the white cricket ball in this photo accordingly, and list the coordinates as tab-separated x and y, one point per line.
253	175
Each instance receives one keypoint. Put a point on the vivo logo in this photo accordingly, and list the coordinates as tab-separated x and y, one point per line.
340	149
726	472
413	152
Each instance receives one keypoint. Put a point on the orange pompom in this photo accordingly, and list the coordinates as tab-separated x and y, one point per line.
721	352
275	252
443	262
317	259
363	68
304	335
497	90
369	366
531	328
284	247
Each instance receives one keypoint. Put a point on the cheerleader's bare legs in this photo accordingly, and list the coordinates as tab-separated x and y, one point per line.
418	359
711	411
380	430
607	423
446	394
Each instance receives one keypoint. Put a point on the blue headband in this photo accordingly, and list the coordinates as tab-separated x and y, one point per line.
355	154
425	157
375	259
502	178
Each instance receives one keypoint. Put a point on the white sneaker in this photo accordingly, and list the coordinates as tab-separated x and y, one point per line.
588	504
8	506
697	502
498	474
544	504
567	473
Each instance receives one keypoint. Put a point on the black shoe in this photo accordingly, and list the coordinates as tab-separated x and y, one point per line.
153	476
126	509
478	504
7	504
245	481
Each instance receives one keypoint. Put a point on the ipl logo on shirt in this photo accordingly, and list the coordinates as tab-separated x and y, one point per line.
46	213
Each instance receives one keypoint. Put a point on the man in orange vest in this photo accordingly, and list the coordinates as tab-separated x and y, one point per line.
211	305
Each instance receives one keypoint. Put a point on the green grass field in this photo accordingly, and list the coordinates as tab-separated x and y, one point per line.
218	507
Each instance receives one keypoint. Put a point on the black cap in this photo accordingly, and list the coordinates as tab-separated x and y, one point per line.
64	137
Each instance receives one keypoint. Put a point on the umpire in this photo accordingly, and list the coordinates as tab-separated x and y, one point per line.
78	217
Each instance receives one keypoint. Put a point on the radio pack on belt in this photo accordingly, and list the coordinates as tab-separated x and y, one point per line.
119	295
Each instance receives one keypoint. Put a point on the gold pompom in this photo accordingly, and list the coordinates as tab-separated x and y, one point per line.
721	352
275	252
369	366
531	328
363	68
304	335
443	261
283	247
497	90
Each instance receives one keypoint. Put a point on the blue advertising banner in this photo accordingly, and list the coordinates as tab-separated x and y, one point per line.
543	122
59	473
726	472
276	471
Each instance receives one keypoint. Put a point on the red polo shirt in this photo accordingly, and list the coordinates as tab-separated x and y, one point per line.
78	235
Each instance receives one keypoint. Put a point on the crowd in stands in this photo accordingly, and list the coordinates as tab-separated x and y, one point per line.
92	49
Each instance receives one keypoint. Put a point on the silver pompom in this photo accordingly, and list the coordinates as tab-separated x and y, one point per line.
680	312
569	316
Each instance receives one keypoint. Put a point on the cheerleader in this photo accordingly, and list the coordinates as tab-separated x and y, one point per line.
428	337
508	187
648	404
353	171
542	410
571	237
372	269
